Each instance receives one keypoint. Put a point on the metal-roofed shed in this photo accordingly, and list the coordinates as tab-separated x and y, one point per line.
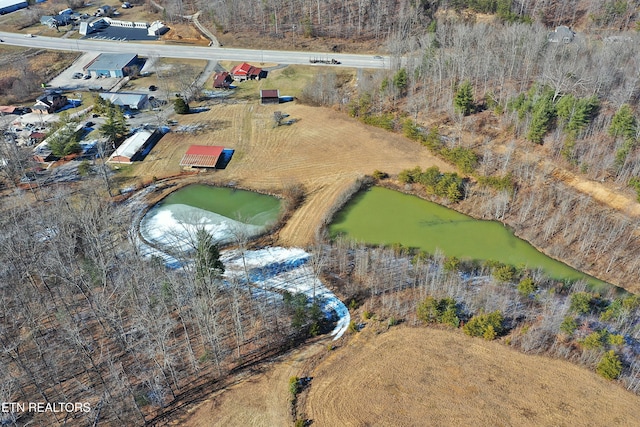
135	147
131	100
202	156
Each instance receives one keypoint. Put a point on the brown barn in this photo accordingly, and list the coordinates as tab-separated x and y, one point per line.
222	80
269	96
202	156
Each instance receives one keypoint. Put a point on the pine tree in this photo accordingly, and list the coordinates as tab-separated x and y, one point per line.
463	99
610	366
180	106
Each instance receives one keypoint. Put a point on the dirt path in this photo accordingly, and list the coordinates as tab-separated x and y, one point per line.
600	192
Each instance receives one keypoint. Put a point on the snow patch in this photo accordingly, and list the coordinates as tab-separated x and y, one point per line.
286	269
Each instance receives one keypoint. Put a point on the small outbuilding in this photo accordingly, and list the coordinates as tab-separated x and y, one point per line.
136	147
104	10
222	80
157	28
8	6
112	64
202	156
269	96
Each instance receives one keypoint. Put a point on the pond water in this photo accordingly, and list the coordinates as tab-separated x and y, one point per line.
224	212
382	216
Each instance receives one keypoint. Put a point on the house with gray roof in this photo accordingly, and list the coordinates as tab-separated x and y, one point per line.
562	34
131	100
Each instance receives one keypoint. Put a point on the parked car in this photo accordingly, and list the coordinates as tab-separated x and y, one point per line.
77	75
153	88
86	76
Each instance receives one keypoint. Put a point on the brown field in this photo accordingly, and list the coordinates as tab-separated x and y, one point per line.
420	376
416	377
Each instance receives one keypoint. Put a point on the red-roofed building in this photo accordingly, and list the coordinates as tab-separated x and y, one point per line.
222	80
269	96
202	156
246	71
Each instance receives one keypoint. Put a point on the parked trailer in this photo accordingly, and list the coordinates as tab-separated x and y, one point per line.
324	61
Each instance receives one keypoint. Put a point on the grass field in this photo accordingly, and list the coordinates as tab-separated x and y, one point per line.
418	377
413	377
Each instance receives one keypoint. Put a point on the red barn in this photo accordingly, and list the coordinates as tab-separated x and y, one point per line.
245	71
202	156
269	96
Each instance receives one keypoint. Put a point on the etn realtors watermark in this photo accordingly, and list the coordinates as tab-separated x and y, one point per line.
44	407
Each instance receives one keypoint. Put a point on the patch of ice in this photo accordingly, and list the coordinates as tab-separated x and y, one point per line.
175	226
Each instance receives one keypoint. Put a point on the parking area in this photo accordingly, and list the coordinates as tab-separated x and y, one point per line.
75	78
121	34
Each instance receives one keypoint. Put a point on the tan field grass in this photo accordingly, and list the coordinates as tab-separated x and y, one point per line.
418	377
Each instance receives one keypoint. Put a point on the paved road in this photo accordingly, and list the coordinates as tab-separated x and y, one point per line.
194	52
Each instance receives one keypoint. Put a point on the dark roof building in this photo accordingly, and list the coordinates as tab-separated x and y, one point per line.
49	103
222	80
7	6
202	156
269	96
112	64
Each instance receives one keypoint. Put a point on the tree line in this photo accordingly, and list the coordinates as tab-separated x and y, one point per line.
522	308
86	318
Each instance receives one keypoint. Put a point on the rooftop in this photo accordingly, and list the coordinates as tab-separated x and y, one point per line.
202	156
132	144
7	3
111	61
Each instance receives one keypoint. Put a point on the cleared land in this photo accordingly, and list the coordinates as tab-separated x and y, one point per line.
442	378
445	378
325	151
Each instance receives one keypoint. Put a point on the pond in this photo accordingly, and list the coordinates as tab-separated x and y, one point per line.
381	216
226	213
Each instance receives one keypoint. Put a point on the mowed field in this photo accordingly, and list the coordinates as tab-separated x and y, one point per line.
421	377
325	151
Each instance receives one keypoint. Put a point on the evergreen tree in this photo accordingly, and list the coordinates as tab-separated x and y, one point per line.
400	80
207	257
624	123
115	126
180	106
463	99
610	366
